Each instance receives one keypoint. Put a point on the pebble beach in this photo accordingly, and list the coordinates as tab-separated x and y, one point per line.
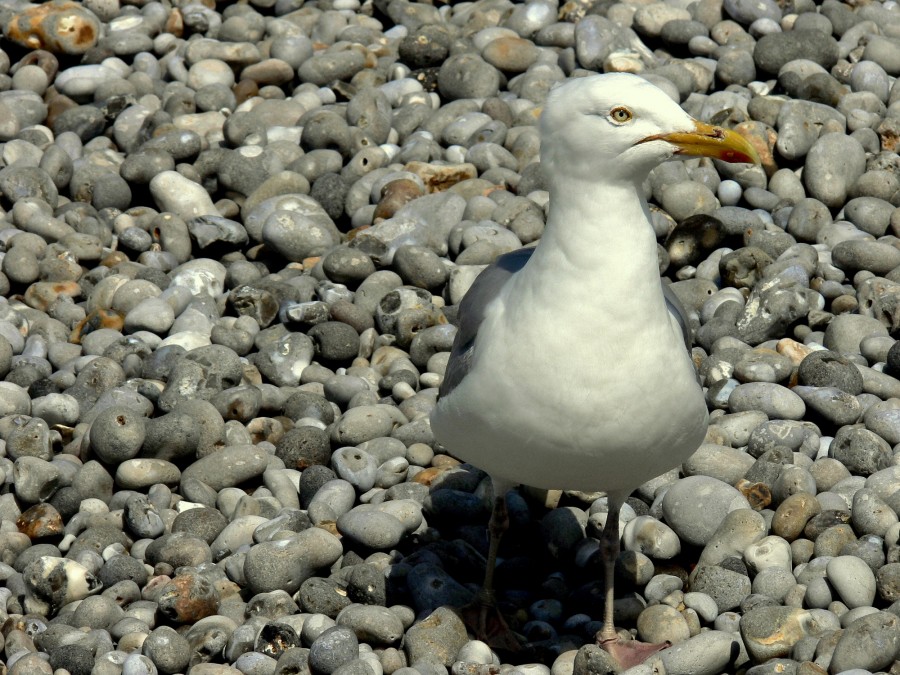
234	239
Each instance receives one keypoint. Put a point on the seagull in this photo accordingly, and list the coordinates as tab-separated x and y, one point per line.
571	365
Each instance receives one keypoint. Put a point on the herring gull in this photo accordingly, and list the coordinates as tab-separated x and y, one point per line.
571	366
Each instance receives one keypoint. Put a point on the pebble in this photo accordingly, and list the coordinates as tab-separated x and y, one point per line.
228	467
372	624
774	400
727	588
853	580
770	632
371	528
707	653
332	649
287	563
37	27
436	638
856	647
695	507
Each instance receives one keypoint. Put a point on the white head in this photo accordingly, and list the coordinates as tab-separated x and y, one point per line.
620	126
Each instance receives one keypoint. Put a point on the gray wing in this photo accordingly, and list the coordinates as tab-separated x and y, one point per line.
471	313
679	313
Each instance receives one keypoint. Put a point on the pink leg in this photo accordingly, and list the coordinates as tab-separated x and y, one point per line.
482	615
628	653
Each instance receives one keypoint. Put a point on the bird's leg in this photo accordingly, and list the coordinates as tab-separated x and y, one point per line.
497	527
482	615
627	652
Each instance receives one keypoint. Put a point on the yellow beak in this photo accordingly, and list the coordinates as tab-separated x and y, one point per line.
708	141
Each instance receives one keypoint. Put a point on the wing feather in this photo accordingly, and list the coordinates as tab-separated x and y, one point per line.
471	313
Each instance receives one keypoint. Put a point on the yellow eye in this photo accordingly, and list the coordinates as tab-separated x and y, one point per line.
620	115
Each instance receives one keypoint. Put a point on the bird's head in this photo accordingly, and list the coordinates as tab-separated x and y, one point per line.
620	125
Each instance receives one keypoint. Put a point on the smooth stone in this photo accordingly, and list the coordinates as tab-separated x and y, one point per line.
229	466
696	506
853	580
287	563
370	527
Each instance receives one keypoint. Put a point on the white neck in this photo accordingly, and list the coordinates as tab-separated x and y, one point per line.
598	243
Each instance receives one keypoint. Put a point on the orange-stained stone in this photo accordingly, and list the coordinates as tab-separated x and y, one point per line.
762	137
100	318
795	351
60	26
394	195
42	294
440	177
758	494
41	520
188	598
245	89
445	461
428	476
174	23
114	258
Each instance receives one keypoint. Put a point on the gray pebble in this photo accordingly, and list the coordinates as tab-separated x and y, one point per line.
695	507
287	563
856	647
229	466
332	649
372	624
773	399
370	527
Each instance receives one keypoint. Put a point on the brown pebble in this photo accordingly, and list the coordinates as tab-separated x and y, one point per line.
844	304
244	90
43	60
511	54
793	514
188	598
42	294
445	461
795	351
440	177
394	195
174	23
329	526
99	318
758	494
428	476
41	520
114	258
57	104
265	429
268	71
60	27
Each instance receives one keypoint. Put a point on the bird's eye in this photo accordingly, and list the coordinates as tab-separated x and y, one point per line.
620	115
